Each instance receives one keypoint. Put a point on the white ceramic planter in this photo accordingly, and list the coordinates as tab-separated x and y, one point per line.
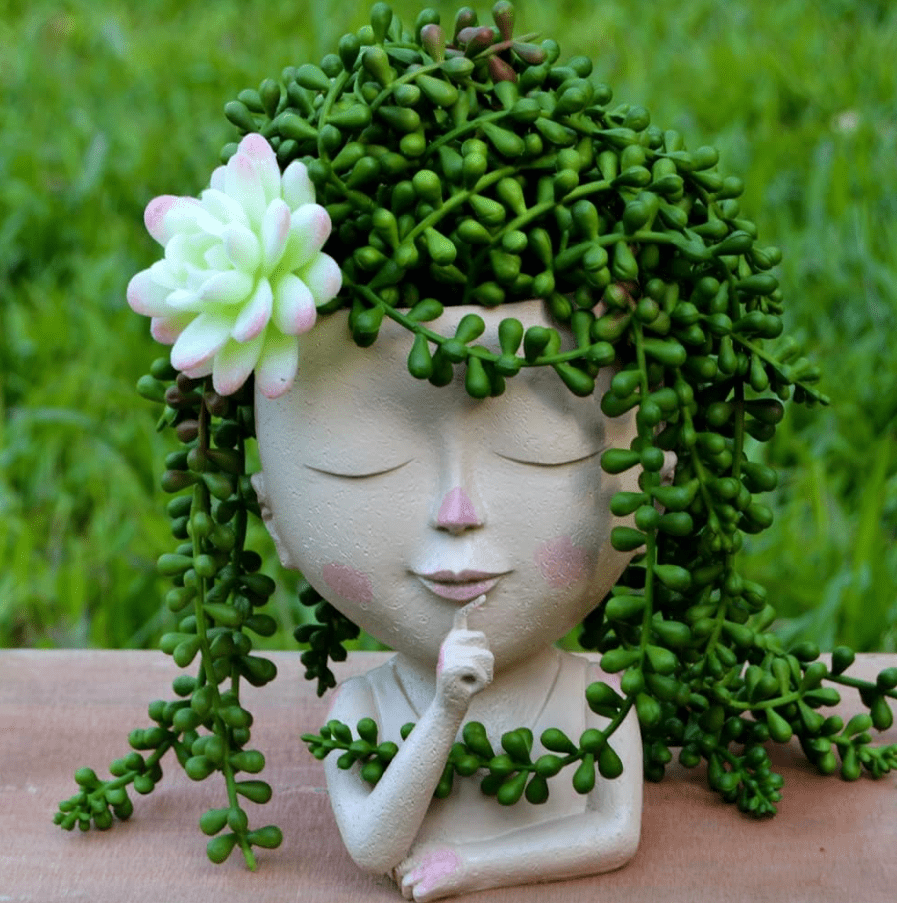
469	536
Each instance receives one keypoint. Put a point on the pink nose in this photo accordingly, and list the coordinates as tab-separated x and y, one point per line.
457	511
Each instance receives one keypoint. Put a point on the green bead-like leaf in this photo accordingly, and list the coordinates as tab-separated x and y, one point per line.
512	789
584	777
420	361
556	740
779	728
577	381
618	460
219	848
625	539
474	735
673	576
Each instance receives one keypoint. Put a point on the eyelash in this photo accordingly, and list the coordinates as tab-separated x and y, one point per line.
380	473
357	476
551	463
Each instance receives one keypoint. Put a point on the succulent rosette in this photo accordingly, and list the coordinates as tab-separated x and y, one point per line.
243	271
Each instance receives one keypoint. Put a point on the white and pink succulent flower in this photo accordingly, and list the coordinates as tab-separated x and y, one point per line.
243	272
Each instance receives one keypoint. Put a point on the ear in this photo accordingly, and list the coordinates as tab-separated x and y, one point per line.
668	471
258	484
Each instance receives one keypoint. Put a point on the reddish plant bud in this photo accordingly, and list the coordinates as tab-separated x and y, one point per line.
500	70
216	404
476	39
433	39
466	18
186	384
503	14
529	53
174	397
187	430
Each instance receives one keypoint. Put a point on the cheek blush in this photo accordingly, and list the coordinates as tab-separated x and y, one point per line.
348	583
561	563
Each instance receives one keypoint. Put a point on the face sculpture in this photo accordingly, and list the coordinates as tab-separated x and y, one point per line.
469	536
400	502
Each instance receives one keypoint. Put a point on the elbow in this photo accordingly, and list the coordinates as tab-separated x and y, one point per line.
611	839
624	836
374	851
374	863
629	841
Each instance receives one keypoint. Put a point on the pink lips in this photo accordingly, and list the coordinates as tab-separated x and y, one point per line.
461	586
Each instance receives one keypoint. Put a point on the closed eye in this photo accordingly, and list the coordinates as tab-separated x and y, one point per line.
358	476
550	463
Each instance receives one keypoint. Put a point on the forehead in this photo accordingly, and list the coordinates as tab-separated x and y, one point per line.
345	395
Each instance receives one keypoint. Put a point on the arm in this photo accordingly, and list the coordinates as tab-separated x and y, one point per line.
379	825
602	838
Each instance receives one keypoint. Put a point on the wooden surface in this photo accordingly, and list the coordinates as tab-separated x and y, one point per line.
59	710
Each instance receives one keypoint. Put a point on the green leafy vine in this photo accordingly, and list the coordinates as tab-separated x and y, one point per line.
470	167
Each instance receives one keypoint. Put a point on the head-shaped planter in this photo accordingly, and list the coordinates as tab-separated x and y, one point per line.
468	535
401	502
533	304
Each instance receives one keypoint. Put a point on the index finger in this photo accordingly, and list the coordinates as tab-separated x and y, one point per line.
461	614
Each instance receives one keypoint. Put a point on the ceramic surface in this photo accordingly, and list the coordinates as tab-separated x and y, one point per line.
469	536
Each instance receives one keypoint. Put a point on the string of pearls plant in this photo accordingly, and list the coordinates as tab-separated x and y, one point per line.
463	165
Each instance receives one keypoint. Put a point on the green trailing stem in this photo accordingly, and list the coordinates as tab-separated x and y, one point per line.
510	773
216	578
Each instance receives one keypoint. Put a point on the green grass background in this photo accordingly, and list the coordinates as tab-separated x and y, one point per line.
106	105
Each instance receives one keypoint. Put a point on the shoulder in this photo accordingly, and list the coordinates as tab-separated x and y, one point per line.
354	697
584	669
594	673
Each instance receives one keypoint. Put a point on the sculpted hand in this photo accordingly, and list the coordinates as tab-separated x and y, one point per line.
465	661
430	872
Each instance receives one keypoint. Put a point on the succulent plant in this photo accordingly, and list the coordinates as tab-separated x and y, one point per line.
461	165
